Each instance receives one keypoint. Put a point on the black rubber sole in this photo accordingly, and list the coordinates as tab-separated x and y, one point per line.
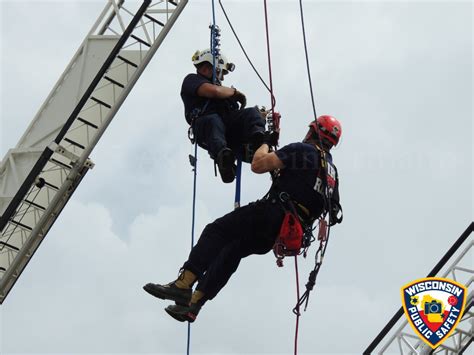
157	291
226	166
181	313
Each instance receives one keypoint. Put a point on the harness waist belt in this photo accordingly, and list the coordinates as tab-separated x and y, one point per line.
302	211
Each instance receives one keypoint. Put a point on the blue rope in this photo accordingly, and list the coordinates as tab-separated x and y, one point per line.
238	183
194	194
214	54
213	43
192	229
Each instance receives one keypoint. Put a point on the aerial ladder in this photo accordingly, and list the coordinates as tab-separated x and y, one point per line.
397	337
39	175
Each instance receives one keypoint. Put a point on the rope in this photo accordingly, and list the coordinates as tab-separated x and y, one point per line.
315	116
192	229
323	242
244	51
214	78
272	97
298	308
307	62
213	43
270	89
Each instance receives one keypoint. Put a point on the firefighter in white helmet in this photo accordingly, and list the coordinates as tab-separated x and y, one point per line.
220	121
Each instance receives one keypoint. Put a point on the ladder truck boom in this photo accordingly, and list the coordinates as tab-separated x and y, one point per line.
40	174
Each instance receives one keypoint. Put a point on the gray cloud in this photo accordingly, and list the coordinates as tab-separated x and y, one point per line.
397	74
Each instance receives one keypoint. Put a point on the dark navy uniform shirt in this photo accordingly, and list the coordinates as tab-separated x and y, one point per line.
301	176
191	100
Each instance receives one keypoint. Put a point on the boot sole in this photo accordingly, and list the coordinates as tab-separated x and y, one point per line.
226	168
188	317
152	290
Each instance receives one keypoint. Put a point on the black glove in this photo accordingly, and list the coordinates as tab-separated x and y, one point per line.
271	138
240	98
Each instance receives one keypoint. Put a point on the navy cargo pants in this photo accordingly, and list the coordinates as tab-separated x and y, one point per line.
214	132
251	229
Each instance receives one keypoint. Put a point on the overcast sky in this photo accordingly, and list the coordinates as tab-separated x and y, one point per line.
398	75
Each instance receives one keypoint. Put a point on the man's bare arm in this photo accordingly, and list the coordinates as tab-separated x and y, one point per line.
265	161
212	91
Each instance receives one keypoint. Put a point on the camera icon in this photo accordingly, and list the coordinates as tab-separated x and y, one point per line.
433	307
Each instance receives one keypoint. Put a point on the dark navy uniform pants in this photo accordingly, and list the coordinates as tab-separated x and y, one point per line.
214	132
251	229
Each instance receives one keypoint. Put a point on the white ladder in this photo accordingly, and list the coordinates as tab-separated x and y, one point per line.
40	174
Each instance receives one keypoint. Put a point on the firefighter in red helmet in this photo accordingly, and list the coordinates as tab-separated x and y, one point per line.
306	183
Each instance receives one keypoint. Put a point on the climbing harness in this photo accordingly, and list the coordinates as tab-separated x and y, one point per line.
290	237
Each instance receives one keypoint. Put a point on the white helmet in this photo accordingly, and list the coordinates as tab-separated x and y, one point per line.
223	65
202	56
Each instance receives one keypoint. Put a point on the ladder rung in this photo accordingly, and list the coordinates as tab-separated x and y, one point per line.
20	225
100	102
54	187
31	203
172	2
141	40
127	61
9	246
154	20
2	269
114	81
57	162
87	123
74	143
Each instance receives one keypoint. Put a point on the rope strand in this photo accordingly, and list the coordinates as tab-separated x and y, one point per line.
298	314
272	97
193	222
214	78
213	42
242	47
307	61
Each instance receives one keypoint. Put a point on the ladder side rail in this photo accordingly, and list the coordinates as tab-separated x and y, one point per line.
391	323
134	78
25	187
113	54
27	251
66	71
12	207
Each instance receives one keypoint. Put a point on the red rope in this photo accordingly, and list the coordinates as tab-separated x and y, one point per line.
298	309
272	97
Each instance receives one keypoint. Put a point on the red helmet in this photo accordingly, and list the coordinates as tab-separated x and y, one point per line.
328	127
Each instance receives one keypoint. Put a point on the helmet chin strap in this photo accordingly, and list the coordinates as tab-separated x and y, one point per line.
326	144
323	144
220	75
